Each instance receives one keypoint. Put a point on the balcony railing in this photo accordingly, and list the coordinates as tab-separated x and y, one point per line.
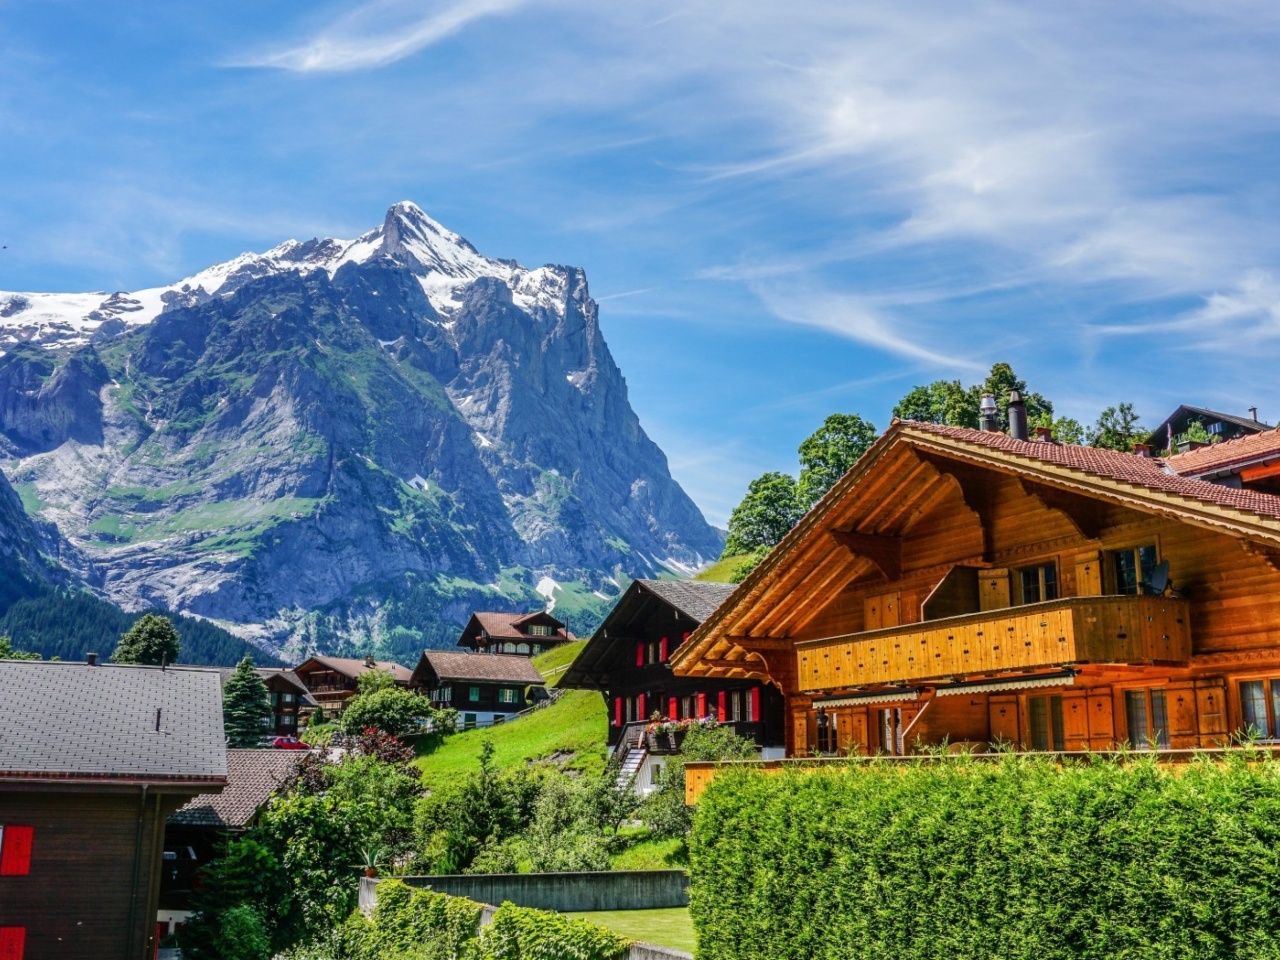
1076	630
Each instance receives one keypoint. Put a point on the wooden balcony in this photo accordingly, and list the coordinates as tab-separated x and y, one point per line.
1075	630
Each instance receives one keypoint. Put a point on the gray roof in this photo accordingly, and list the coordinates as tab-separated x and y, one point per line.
696	598
489	667
66	720
252	776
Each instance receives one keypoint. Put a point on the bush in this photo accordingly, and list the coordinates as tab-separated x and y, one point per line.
519	933
244	935
1018	858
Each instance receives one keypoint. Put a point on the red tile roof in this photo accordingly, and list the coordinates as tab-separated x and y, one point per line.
1148	472
1216	456
490	667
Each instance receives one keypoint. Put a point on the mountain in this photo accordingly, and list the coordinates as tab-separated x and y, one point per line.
343	445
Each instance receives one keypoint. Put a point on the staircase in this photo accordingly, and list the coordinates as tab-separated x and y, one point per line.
632	750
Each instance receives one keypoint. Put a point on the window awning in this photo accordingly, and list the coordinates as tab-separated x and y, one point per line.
863	699
1058	679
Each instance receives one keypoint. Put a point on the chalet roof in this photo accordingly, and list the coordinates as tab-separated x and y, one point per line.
1124	479
506	626
696	599
350	667
252	776
1217	457
1160	434
69	721
266	673
484	667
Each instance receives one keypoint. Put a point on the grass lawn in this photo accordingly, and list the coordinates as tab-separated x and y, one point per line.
554	662
651	854
720	570
667	928
570	732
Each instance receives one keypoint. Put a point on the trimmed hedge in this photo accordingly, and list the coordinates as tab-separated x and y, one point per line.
1019	858
416	923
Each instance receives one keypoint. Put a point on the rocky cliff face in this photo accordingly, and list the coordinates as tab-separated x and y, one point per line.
339	439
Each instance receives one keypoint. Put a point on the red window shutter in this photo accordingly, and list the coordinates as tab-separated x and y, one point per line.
662	649
15	854
755	705
639	654
642	713
617	711
13	940
673	709
721	713
702	705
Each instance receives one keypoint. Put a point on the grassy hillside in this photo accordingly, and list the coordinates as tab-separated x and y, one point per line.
719	571
571	732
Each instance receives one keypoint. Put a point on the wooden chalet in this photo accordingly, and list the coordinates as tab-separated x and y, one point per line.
485	688
197	833
93	760
1250	462
524	634
964	586
1169	436
628	660
290	699
331	681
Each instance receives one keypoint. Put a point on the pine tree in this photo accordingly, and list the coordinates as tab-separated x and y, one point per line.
151	640
246	707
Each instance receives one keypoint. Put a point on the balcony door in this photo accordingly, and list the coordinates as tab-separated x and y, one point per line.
892	723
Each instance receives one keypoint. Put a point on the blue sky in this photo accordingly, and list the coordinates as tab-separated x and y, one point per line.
785	210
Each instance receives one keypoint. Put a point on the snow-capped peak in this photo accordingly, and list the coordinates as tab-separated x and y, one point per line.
443	261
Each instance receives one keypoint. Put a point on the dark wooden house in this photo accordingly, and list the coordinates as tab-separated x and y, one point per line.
485	688
93	761
196	834
331	681
966	587
1170	436
524	634
628	660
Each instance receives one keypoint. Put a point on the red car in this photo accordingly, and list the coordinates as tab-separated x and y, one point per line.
289	743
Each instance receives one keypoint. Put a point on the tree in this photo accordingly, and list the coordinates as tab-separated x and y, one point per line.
371	681
1117	429
152	640
1001	382
246	706
393	710
765	515
827	454
8	653
943	401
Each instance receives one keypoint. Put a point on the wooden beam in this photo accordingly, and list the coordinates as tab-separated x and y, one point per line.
1268	556
884	552
763	644
1088	516
977	489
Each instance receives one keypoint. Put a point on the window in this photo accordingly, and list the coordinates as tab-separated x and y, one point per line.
1045	715
1260	708
468	721
1133	567
442	694
1148	718
735	705
892	731
15	850
1038	583
507	695
289	720
540	630
288	697
826	731
473	694
655	772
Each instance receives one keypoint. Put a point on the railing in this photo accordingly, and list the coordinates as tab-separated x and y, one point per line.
1077	630
667	743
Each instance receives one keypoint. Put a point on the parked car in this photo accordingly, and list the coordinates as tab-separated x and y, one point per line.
289	743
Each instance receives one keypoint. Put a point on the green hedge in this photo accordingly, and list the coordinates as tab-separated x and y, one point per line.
965	859
423	925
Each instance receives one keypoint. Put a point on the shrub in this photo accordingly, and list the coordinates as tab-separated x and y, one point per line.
519	933
1018	859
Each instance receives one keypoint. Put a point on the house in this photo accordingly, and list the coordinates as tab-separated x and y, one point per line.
526	634
290	699
1169	436
963	586
628	660
93	759
331	681
1249	462
197	832
485	688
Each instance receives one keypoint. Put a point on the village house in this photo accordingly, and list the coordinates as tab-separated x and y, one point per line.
966	587
331	681
524	634
628	660
93	759
485	688
1170	435
197	833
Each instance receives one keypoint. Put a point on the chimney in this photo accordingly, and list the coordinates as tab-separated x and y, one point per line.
91	659
1017	416
987	422
1253	412
370	662
1044	434
1142	450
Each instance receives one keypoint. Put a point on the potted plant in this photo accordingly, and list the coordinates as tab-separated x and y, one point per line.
371	859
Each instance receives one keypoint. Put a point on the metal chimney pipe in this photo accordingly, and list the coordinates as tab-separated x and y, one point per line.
1253	412
1017	416
987	421
91	659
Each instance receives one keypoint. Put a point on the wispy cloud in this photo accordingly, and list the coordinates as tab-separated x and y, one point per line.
379	33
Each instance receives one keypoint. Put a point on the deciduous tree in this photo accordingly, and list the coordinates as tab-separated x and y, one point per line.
829	452
152	640
1117	429
765	515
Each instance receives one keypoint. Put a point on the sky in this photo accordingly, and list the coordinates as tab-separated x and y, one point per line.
784	210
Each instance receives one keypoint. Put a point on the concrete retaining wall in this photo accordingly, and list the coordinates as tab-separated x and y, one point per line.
568	892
